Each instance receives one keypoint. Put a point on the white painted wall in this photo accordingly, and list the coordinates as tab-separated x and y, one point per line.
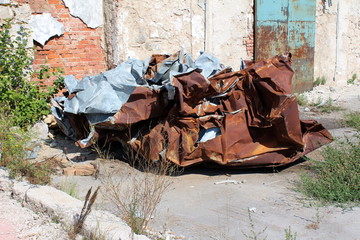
337	41
146	27
228	24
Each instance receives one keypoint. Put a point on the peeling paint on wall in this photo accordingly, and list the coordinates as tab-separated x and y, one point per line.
89	11
141	28
44	26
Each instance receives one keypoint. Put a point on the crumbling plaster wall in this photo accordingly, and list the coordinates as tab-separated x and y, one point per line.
79	51
19	12
137	29
146	27
337	46
230	30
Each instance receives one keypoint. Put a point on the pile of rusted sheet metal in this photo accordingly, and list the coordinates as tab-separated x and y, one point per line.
171	108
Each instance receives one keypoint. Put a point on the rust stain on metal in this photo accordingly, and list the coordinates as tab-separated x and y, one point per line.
241	119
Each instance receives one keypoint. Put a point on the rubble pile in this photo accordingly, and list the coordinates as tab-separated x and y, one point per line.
172	108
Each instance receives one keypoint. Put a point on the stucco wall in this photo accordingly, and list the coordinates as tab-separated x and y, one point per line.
337	46
157	26
138	29
229	30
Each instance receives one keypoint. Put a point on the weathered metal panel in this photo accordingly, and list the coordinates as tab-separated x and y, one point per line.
191	112
287	26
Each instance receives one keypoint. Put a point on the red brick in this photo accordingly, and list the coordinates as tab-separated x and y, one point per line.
52	56
59	6
54	1
69	55
55	60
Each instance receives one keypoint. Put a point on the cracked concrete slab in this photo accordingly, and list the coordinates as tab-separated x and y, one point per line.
89	11
55	203
44	26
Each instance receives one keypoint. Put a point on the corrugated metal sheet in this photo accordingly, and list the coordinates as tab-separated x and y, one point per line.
287	26
190	112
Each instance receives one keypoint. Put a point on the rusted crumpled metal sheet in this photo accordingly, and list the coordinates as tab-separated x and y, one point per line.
246	118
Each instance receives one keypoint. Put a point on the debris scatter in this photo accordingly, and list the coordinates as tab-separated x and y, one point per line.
173	108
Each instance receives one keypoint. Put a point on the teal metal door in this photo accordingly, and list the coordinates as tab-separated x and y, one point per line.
287	26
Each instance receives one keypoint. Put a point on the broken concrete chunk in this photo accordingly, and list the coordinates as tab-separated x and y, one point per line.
39	130
44	26
23	12
89	11
80	170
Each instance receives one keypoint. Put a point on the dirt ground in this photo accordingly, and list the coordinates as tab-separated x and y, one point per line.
200	205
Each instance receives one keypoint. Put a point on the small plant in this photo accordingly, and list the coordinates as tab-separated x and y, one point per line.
336	179
254	235
85	211
315	224
56	220
14	144
353	120
103	151
70	188
289	235
136	195
26	101
301	100
352	79
328	107
320	81
317	103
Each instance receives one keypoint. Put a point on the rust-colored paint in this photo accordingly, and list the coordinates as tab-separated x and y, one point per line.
287	26
257	116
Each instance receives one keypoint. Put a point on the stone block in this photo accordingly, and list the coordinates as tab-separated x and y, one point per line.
69	171
6	12
84	169
40	130
23	12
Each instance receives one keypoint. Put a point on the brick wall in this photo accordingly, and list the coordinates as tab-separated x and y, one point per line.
78	51
248	42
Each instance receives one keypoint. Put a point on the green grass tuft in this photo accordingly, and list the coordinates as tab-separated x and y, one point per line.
14	143
336	179
352	79
320	81
353	120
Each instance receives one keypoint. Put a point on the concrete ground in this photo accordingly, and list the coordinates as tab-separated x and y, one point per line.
222	204
203	203
18	222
